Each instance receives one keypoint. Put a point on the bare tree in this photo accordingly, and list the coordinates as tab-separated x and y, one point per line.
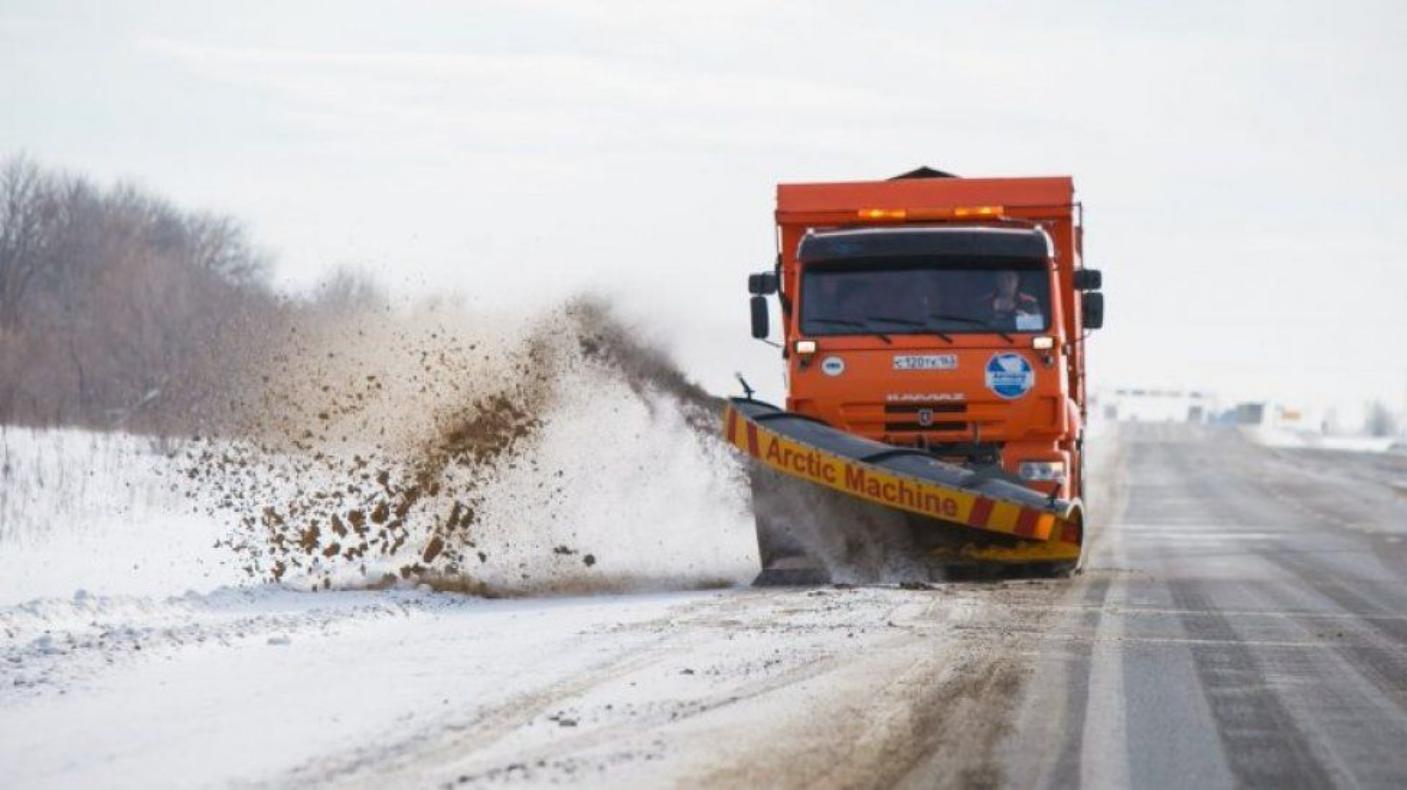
221	246
22	233
112	302
350	289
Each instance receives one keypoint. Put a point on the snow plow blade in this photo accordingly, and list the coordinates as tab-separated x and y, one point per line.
835	507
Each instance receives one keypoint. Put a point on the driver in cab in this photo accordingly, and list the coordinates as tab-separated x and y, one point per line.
1008	304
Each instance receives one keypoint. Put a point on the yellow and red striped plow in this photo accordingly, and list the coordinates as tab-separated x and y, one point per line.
886	487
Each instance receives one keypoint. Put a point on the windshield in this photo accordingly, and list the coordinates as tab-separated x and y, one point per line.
904	296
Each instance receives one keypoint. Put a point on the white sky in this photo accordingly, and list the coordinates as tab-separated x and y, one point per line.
1241	165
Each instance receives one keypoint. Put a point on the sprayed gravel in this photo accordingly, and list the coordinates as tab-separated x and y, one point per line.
367	458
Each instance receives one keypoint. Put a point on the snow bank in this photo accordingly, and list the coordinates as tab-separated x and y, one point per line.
52	643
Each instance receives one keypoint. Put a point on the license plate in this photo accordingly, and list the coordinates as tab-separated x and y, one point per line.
926	362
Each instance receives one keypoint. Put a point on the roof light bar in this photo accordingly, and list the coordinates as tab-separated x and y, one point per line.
977	211
882	213
958	212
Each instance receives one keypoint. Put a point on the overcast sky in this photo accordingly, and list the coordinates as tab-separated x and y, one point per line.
1241	165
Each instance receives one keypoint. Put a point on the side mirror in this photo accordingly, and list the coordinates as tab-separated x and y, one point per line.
1092	305
1089	280
760	328
763	284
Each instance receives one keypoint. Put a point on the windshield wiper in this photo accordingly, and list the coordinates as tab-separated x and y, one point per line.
969	320
848	322
910	322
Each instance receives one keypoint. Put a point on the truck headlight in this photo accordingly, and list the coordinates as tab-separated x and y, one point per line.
1041	471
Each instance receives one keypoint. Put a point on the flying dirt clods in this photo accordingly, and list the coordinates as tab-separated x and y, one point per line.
365	453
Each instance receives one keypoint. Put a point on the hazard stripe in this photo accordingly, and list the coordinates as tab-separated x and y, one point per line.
732	425
1004	515
981	511
752	438
1026	522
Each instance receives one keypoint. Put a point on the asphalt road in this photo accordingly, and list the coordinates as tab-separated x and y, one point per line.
1242	622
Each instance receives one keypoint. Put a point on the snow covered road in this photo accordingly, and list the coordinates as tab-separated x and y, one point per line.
424	688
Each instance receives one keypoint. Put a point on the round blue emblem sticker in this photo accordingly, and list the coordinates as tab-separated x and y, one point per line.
1010	375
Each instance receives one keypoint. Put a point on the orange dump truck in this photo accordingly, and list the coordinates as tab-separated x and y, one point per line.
933	330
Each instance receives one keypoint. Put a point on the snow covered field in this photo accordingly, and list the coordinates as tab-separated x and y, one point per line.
98	513
135	650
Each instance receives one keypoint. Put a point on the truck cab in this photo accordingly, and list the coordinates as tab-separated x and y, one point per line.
939	313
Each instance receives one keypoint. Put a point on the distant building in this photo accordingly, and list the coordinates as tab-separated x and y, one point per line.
1134	404
1263	414
1278	425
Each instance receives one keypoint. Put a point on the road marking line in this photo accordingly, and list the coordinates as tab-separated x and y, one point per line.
1153	640
1135	610
1103	746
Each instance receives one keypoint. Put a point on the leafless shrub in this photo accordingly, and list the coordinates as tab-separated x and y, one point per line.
117	309
347	290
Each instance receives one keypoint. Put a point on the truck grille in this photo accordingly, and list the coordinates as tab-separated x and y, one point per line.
938	417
